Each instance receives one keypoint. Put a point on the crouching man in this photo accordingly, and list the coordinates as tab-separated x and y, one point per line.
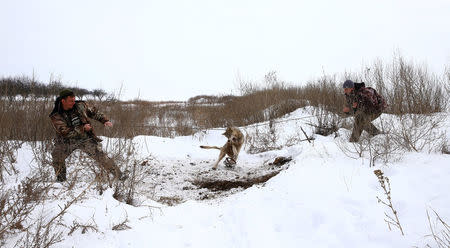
74	131
365	104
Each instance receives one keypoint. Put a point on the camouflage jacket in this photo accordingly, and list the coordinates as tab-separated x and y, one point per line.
368	101
69	124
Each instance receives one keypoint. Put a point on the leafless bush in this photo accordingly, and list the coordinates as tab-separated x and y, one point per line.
326	122
126	191
41	153
418	132
353	150
44	232
445	149
382	148
446	84
122	225
408	87
325	92
91	226
386	186
25	120
17	204
40	235
270	99
440	230
8	157
379	148
17	207
125	154
299	136
262	138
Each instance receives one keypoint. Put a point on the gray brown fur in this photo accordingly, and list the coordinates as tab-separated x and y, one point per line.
231	148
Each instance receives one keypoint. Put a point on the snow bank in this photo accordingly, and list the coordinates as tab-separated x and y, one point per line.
323	199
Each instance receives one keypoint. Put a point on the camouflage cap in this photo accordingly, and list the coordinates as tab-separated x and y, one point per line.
65	93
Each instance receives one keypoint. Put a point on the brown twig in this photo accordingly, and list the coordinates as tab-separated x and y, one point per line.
386	185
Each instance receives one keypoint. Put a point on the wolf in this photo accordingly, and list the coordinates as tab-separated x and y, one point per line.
231	148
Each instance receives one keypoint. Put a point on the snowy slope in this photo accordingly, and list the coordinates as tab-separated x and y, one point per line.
323	198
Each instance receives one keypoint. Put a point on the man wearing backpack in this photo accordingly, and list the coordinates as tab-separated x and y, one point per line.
365	104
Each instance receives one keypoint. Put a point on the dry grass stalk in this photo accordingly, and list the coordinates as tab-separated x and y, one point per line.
385	184
84	227
122	225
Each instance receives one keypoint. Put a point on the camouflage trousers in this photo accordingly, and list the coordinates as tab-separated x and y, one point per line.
363	121
63	150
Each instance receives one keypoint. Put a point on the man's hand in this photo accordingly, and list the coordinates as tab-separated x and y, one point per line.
346	109
108	124
355	104
87	127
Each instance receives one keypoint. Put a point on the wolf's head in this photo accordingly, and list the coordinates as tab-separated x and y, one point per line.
233	134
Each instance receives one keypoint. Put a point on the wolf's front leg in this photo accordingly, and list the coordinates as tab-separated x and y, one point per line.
221	155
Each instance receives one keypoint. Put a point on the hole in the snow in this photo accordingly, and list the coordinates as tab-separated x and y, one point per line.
223	185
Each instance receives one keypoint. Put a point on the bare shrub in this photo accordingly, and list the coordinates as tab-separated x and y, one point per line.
379	148
122	225
43	232
17	215
353	150
125	154
418	132
325	92
446	84
23	120
17	204
270	99
8	157
88	227
445	149
440	230
382	147
262	138
297	138
326	122
40	235
409	87
128	118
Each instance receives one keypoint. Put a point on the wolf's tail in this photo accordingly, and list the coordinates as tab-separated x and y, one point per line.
210	147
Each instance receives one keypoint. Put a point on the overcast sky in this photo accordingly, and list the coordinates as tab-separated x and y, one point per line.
176	49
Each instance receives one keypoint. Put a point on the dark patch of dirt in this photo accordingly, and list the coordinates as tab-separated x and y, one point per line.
170	201
172	182
279	161
224	185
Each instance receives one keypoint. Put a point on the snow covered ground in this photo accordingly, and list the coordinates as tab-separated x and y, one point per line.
324	197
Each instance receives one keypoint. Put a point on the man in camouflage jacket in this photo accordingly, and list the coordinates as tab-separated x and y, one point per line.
74	131
365	104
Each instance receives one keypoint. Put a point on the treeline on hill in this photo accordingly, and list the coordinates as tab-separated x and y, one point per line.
25	87
407	87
